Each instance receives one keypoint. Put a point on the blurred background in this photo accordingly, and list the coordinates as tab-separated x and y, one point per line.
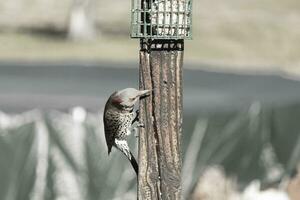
61	59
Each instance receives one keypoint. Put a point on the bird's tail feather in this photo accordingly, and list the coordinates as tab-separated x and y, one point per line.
134	164
124	148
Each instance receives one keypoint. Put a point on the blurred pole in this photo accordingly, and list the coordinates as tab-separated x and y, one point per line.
160	141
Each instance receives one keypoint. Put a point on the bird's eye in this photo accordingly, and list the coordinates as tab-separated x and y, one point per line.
132	99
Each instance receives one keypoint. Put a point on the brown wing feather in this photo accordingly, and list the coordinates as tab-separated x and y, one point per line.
109	135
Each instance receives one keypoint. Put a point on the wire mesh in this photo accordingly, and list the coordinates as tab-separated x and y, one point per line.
161	19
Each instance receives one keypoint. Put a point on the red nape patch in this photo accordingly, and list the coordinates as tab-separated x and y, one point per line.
116	100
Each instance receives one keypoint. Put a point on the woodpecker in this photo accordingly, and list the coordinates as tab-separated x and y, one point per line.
120	118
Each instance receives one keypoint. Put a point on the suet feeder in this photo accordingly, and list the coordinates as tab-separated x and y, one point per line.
161	19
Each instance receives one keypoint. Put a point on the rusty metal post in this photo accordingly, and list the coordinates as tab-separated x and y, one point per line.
160	141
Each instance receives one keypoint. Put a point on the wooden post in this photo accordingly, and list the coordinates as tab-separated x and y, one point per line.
160	141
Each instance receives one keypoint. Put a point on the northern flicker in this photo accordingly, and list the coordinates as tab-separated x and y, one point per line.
119	118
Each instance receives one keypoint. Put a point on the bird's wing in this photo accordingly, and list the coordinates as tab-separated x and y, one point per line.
109	132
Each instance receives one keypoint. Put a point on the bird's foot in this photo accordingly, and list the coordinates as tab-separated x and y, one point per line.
141	125
136	117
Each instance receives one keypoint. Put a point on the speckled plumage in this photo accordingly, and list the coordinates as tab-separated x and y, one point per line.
117	127
118	120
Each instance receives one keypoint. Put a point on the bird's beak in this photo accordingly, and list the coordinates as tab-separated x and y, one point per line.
144	93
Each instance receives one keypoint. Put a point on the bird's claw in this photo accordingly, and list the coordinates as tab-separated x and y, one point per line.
141	125
137	112
136	117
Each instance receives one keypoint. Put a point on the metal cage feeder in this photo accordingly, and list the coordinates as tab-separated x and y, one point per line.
161	19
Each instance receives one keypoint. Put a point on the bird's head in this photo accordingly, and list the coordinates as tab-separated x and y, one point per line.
126	98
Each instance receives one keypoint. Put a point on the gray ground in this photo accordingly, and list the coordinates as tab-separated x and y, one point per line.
63	85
